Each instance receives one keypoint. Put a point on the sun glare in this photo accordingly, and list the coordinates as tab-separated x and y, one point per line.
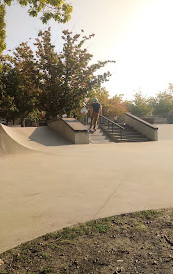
145	56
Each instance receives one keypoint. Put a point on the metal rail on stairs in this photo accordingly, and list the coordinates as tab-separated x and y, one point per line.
111	125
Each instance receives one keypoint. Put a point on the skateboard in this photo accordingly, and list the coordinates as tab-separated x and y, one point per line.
91	130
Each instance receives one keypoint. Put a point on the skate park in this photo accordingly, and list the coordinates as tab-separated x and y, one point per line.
47	183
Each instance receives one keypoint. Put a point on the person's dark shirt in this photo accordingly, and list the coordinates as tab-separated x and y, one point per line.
96	107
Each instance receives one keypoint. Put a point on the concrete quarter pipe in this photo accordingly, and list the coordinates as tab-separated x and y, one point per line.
16	139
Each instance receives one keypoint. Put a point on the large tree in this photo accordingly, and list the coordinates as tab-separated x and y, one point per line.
28	80
59	10
8	82
49	82
20	83
50	71
67	77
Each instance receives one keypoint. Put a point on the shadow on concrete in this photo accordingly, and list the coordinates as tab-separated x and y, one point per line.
47	137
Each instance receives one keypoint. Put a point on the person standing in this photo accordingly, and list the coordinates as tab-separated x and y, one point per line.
96	109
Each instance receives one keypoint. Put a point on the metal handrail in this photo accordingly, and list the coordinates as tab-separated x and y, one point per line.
111	124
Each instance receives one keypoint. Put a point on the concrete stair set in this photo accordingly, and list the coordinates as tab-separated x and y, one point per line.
129	134
99	137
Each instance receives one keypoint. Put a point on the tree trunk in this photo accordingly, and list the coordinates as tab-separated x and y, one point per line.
22	122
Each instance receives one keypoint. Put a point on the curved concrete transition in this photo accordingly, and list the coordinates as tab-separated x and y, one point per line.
62	185
22	139
8	145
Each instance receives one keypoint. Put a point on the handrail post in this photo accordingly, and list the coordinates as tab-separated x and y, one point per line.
110	126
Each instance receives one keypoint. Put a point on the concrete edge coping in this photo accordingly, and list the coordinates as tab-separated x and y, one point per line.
74	124
140	120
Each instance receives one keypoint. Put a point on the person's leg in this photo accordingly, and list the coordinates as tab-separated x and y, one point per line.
96	116
92	117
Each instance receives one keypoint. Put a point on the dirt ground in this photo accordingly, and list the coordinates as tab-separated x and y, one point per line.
139	242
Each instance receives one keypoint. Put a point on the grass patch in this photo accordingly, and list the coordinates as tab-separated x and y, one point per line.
89	228
140	226
128	243
147	214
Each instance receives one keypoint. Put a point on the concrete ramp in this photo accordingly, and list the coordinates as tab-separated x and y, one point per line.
8	145
24	139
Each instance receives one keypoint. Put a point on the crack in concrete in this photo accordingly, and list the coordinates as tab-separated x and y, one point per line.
108	199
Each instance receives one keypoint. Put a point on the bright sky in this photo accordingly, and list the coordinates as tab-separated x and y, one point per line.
135	33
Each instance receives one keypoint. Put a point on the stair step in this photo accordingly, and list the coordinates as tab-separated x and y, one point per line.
124	133
133	139
130	137
99	137
136	140
128	134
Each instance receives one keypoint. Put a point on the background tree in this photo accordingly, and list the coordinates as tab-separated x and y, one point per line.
50	71
8	109
67	77
59	10
51	82
116	106
36	116
140	105
2	27
20	83
27	90
163	103
8	83
79	75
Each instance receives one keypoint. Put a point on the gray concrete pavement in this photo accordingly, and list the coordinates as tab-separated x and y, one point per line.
48	190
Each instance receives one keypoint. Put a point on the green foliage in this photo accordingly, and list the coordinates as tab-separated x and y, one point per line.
90	228
19	83
8	108
116	106
27	88
2	27
59	10
67	77
139	106
35	115
162	104
146	214
50	82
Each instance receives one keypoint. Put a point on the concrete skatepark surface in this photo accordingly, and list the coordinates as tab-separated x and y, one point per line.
52	184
